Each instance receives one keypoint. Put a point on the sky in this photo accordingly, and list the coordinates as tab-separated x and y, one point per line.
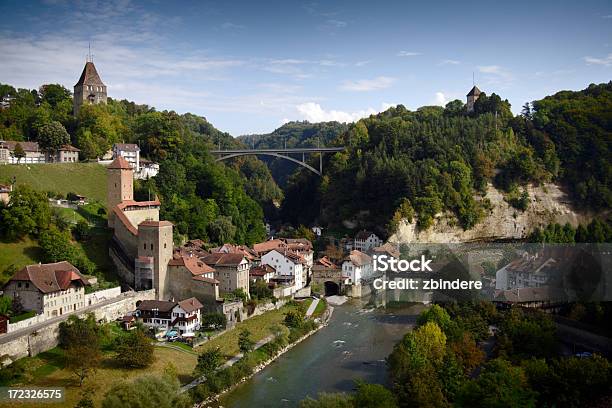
250	66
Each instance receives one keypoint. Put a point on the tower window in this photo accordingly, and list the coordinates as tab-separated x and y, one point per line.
151	247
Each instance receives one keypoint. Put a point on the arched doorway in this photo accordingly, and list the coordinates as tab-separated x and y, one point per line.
331	288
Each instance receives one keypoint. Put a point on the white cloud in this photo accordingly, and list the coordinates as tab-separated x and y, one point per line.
440	99
362	63
232	26
407	54
490	69
605	61
449	62
337	23
362	85
313	112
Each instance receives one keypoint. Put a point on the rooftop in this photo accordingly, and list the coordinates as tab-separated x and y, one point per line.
51	277
89	76
120	163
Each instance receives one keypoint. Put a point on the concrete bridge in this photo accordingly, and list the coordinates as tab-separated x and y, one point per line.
283	153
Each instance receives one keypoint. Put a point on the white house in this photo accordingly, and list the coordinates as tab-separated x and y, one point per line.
286	264
130	152
365	240
357	266
529	271
187	316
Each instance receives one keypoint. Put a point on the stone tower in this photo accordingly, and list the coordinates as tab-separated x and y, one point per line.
472	96
155	249
120	186
90	89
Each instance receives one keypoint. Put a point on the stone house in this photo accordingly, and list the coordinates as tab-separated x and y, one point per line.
189	277
365	240
48	289
357	267
231	270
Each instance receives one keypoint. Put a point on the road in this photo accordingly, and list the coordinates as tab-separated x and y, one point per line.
4	338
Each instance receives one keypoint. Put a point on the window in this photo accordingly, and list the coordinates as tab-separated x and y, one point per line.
151	247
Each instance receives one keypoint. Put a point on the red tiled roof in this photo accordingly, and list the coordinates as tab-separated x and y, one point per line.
51	277
124	220
192	263
190	305
262	270
223	259
120	163
267	246
358	258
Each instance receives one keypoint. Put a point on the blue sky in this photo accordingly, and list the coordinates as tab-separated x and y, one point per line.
250	66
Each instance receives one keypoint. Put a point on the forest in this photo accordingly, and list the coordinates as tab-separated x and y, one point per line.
215	202
404	164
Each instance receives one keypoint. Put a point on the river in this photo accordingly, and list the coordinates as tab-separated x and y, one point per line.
353	346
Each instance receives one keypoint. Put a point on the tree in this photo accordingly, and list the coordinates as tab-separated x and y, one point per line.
86	400
209	361
499	385
52	136
5	305
146	391
222	230
373	396
245	343
214	321
134	350
328	400
295	318
80	339
29	213
18	152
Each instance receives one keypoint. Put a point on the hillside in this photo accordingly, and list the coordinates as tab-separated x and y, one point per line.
88	179
419	165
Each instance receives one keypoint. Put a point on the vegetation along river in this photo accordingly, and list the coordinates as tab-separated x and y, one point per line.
353	346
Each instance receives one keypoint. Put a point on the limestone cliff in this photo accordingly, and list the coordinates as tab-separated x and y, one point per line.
548	204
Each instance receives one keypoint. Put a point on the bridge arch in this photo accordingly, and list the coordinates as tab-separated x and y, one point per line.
282	156
331	288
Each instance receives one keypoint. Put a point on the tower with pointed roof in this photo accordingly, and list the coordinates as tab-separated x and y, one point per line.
472	96
89	89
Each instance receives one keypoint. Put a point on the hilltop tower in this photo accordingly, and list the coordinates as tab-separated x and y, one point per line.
472	96
89	89
120	186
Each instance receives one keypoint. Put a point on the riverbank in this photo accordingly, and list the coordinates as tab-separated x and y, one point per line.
324	320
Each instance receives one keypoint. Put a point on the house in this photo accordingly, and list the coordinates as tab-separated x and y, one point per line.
49	289
130	152
32	153
250	254
287	264
156	314
187	316
231	270
387	249
190	277
147	170
298	246
262	272
317	230
529	271
65	154
357	267
5	193
365	240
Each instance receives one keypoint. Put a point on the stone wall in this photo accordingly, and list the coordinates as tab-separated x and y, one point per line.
45	338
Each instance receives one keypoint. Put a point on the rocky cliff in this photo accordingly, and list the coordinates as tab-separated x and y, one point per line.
548	204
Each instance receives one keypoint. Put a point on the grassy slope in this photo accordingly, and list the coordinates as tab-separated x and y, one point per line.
259	326
88	179
45	370
19	254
